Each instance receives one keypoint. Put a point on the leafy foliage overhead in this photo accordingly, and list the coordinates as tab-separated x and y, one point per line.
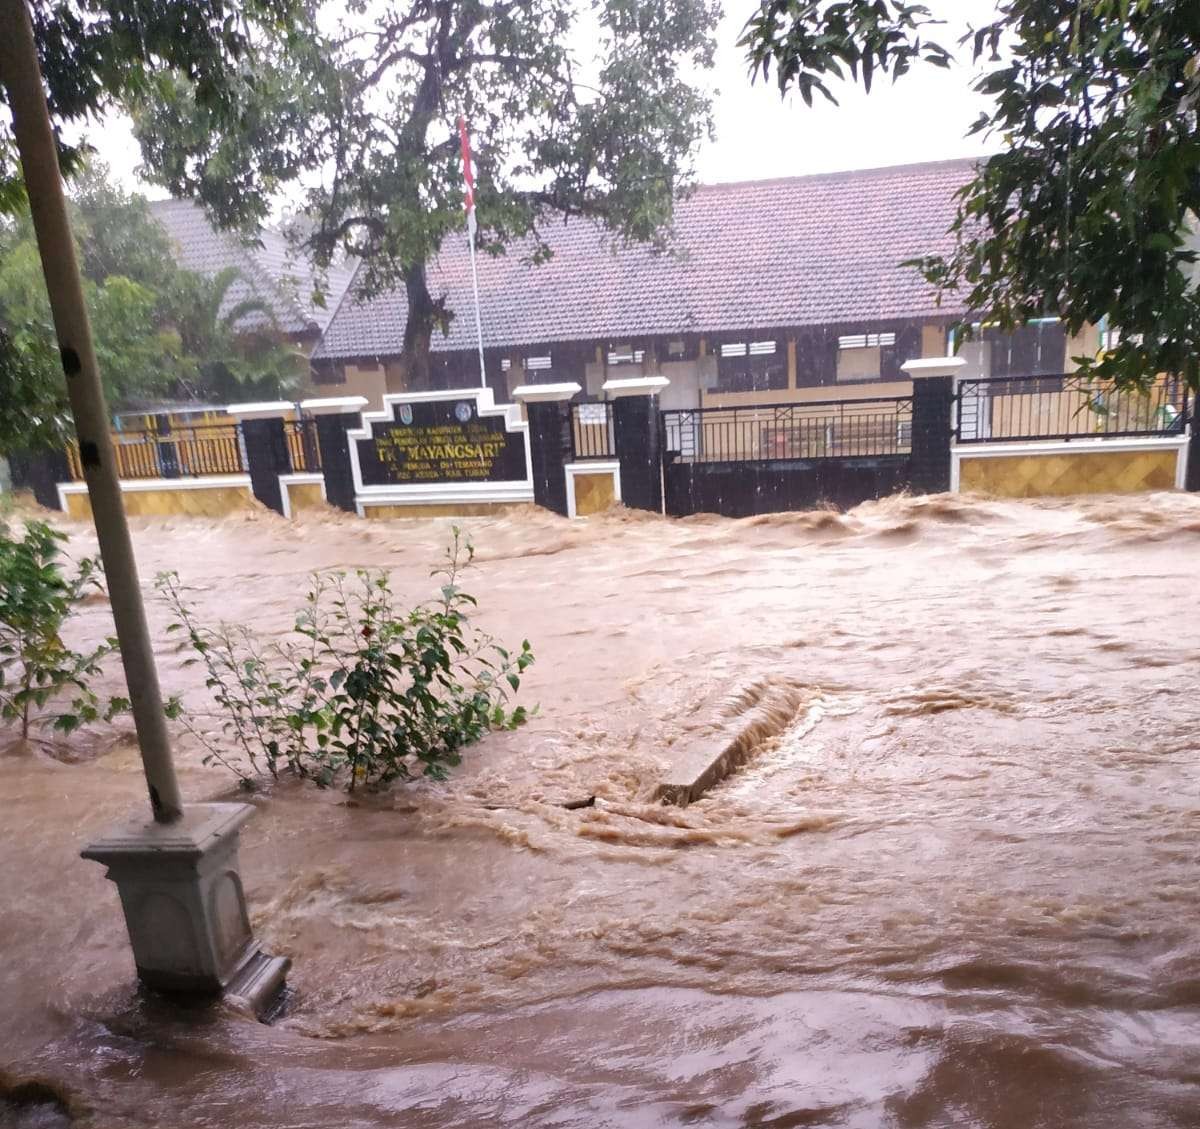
1089	210
95	54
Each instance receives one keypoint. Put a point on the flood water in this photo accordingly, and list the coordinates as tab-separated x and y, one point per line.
959	889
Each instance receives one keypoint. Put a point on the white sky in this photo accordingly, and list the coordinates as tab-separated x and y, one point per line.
759	135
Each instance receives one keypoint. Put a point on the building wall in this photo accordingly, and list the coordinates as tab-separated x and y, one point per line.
812	354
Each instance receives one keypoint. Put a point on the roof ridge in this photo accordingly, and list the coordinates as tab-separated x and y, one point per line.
836	174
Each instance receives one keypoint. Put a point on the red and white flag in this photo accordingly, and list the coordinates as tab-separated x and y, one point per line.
468	174
469	181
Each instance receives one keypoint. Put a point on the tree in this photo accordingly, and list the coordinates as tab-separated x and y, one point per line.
1090	210
95	54
367	113
160	332
238	347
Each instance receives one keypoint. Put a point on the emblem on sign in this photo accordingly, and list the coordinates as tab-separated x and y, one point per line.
406	415
462	411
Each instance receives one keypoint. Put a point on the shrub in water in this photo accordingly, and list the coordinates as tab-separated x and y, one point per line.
37	669
362	692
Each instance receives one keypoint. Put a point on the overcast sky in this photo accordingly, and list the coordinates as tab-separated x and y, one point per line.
759	135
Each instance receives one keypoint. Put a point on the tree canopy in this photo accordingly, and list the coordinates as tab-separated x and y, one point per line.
1090	209
362	108
97	54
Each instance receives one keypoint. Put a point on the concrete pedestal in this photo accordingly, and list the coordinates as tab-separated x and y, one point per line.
185	908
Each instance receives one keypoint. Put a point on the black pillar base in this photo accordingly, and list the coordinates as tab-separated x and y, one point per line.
549	442
267	455
40	472
1192	480
638	440
335	458
932	433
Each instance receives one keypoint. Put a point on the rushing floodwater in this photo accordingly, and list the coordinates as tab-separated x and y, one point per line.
960	889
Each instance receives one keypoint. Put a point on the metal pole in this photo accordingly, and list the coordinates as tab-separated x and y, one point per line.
475	285
39	161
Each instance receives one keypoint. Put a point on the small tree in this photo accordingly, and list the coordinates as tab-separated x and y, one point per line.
37	668
363	692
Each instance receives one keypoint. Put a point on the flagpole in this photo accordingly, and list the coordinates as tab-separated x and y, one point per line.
469	180
475	287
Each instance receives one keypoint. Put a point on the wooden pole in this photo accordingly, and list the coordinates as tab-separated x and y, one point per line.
22	81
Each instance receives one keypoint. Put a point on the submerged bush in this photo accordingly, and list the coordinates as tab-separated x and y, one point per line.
361	692
37	669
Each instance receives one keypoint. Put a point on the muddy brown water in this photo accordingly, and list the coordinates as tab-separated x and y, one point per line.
960	889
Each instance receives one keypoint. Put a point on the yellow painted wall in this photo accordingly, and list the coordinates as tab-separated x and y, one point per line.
361	380
304	496
1102	472
450	509
594	493
210	501
933	341
1085	343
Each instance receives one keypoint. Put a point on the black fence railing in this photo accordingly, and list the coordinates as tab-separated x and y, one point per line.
1008	408
818	430
592	434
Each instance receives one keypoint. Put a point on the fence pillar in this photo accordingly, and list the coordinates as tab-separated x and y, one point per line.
335	415
548	409
1192	481
638	439
40	472
933	382
266	448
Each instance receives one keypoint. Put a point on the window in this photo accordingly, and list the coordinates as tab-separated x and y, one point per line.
538	364
751	366
866	340
625	355
681	349
860	356
1036	349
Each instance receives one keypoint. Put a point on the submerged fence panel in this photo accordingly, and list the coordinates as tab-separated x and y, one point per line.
182	452
775	457
825	429
1064	407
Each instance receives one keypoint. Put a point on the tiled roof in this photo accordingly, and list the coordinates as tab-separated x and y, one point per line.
756	255
273	273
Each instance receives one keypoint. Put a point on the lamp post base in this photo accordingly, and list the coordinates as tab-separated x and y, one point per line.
185	908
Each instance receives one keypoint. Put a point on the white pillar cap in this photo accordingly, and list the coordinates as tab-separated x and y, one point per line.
635	386
933	366
333	405
260	411
535	393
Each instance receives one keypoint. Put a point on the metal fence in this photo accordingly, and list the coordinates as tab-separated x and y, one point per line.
304	451
822	429
998	409
182	452
202	449
592	435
